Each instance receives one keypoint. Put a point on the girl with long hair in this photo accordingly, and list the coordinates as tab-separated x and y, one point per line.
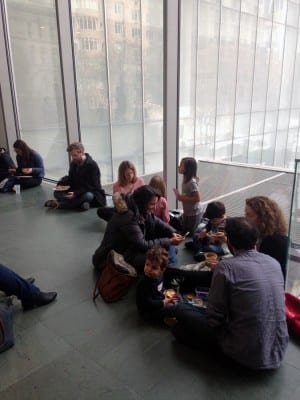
30	168
190	195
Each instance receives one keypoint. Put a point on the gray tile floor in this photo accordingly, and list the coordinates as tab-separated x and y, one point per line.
75	349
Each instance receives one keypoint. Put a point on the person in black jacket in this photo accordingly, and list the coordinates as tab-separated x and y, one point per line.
81	188
154	303
134	229
266	215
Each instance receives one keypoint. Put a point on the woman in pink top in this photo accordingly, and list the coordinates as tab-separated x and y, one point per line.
162	207
128	181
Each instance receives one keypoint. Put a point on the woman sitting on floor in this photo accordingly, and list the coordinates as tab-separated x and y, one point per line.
134	229
127	182
30	168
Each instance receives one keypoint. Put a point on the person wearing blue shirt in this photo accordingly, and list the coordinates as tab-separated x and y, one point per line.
30	168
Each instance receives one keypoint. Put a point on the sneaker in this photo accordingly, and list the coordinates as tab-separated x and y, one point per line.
51	204
85	206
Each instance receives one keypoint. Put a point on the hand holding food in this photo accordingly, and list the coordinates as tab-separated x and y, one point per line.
176	238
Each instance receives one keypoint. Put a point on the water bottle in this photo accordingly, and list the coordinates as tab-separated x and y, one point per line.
17	189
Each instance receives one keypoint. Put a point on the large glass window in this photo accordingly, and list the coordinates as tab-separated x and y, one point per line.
38	83
246	81
119	83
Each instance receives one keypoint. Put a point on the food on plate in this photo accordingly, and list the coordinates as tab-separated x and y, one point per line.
170	293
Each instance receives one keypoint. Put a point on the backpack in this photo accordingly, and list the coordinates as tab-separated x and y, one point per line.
115	279
6	325
6	162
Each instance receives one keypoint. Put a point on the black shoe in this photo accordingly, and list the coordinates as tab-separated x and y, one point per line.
189	245
30	280
85	206
41	300
199	256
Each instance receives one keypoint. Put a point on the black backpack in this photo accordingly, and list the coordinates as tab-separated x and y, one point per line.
6	162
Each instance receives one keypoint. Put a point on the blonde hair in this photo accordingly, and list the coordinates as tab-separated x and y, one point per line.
123	167
270	216
158	183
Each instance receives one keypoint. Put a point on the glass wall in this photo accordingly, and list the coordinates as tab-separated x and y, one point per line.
239	89
118	58
35	60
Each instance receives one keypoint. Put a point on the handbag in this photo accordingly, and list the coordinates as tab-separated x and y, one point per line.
115	279
292	306
6	326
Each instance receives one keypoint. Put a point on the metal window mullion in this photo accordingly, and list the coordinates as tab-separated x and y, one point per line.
108	87
217	86
142	87
65	37
171	76
266	96
280	86
253	75
196	77
9	103
291	98
236	78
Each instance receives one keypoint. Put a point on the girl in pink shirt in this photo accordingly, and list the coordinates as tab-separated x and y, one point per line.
162	207
128	181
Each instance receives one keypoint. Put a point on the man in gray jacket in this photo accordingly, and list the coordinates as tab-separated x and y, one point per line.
245	314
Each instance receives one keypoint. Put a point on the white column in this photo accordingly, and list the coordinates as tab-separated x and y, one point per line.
68	70
171	95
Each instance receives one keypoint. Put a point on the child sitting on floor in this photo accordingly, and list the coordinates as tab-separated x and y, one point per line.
209	235
153	302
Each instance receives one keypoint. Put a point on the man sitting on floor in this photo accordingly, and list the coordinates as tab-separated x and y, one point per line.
81	188
245	315
29	294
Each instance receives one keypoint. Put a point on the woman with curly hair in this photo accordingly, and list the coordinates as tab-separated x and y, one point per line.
266	215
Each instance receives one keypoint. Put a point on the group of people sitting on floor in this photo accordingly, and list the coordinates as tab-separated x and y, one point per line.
245	314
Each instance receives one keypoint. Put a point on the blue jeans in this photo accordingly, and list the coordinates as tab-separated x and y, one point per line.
75	202
13	284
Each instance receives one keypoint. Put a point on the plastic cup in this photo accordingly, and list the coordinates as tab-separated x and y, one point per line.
17	189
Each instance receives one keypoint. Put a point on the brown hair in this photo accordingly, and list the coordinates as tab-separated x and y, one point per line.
158	183
190	168
121	172
158	256
75	146
270	216
25	149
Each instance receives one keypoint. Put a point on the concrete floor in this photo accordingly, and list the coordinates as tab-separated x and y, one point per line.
75	349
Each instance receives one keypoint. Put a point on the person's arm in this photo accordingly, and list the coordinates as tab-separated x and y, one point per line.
38	165
217	304
117	187
134	234
193	198
92	183
138	183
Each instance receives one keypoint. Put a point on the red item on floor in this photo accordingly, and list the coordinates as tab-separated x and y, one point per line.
292	304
